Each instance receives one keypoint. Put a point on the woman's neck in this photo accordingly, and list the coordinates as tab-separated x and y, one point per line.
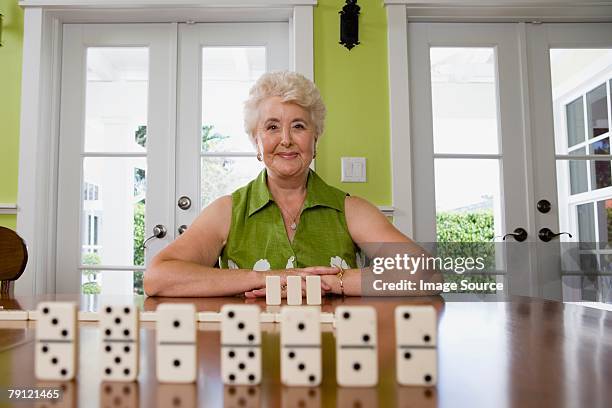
287	188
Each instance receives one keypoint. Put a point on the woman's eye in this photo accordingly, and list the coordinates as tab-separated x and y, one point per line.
299	125
272	127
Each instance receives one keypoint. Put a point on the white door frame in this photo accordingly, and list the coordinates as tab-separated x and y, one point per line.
192	37
39	122
399	12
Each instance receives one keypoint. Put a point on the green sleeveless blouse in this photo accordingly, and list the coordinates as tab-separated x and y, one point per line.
258	240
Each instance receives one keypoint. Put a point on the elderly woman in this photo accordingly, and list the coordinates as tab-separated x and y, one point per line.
287	221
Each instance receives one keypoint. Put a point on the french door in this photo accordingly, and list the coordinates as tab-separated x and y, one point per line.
495	136
150	114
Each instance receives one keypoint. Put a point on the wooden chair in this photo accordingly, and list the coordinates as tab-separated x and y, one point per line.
13	260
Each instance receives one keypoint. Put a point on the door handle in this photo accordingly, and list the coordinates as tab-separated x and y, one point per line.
159	231
546	235
519	234
184	203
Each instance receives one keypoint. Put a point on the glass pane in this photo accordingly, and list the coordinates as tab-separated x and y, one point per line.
600	174
227	75
586	222
111	282
597	111
578	173
575	122
222	175
112	225
464	100
116	99
601	146
467	199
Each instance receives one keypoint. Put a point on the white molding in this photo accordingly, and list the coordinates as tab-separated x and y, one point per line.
399	115
164	3
303	62
505	10
7	208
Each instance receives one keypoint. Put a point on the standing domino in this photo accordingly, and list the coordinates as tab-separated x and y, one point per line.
176	343
273	290
356	351
294	290
313	290
300	346
56	341
119	327
240	345
416	339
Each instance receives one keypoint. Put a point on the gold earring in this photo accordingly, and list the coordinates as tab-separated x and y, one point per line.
258	156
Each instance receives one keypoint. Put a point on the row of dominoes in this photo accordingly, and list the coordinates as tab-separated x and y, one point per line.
294	290
176	344
356	345
269	316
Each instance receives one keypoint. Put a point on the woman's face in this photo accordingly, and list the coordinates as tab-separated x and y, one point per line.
285	137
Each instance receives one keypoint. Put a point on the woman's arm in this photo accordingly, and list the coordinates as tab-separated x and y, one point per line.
186	266
367	225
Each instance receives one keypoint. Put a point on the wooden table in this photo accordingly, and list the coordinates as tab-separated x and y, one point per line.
526	352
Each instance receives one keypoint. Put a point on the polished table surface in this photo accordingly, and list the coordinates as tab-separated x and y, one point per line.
524	352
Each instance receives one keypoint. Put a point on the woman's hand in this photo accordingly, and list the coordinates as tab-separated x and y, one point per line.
303	272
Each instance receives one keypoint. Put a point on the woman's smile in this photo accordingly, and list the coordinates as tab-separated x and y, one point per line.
288	155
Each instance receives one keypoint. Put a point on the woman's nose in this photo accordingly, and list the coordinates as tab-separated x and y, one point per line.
286	138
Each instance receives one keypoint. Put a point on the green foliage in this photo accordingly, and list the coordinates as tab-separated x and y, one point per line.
140	136
91	287
210	139
467	235
139	237
465	227
139	232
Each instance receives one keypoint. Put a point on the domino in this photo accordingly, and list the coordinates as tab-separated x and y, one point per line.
119	395
313	290
67	394
239	397
302	397
416	339
13	314
356	346
85	316
176	343
177	395
148	317
56	358
300	346
240	345
119	342
273	290
209	317
294	290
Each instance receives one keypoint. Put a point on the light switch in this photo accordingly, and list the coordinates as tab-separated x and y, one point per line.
353	170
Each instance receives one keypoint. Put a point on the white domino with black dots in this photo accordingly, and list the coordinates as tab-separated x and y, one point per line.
300	346
416	339
176	343
240	345
56	357
356	346
119	345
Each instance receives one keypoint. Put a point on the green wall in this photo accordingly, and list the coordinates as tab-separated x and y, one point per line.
354	86
10	87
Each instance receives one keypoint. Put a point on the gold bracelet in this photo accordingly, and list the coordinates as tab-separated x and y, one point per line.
340	275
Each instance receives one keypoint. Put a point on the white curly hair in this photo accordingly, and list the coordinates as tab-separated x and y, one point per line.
291	87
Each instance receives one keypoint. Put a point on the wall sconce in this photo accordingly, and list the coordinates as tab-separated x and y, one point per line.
349	24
